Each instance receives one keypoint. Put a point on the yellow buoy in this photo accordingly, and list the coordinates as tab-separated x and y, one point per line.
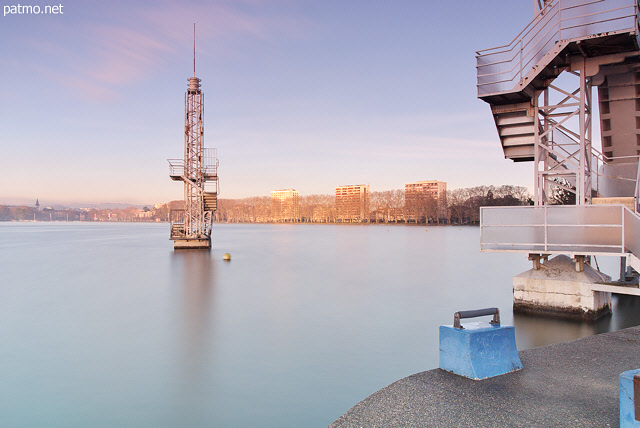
226	257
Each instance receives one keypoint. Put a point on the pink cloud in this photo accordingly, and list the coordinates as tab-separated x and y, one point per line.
122	55
108	57
82	87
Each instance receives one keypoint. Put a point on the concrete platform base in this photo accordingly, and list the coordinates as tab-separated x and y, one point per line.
572	384
556	289
187	244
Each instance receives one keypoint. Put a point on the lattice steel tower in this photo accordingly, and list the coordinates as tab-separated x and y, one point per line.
191	226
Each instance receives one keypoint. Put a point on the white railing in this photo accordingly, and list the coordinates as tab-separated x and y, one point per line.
560	229
177	221
502	68
632	232
598	160
176	167
636	193
209	165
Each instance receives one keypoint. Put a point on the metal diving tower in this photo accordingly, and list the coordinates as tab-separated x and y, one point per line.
539	88
191	225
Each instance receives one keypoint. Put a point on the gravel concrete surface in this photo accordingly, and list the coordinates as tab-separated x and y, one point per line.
571	384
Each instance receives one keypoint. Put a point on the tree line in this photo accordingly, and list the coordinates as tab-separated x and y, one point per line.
32	213
461	206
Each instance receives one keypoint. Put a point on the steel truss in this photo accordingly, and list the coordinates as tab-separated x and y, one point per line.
198	168
197	225
562	140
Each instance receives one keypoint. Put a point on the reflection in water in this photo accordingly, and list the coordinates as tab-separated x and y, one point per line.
533	331
303	323
195	280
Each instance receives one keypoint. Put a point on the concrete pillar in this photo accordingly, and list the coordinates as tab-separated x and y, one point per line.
561	287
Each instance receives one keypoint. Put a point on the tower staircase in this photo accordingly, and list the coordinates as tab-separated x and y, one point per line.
511	76
198	170
597	41
210	200
515	123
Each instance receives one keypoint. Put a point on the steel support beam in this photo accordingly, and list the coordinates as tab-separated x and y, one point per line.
562	140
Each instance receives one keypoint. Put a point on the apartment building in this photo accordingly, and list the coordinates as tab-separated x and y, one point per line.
425	200
285	205
352	203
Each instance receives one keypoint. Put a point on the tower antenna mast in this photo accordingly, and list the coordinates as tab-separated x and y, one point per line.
198	170
194	49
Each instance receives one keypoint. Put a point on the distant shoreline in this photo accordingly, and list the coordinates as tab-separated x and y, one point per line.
252	222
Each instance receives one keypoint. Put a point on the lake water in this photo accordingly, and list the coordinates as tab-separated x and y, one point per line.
103	324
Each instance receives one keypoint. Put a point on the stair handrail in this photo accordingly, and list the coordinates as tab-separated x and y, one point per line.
532	32
518	37
176	167
635	194
211	161
600	159
631	231
516	43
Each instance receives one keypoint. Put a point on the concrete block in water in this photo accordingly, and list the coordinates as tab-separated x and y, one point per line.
479	350
556	289
627	401
192	243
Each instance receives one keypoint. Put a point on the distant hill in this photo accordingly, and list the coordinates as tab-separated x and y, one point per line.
70	205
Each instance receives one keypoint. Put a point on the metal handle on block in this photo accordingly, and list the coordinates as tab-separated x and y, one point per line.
476	313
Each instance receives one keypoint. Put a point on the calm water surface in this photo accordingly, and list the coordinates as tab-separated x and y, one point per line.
105	325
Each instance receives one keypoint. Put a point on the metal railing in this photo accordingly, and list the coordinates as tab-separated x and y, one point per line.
177	221
176	167
560	229
502	68
636	193
209	165
599	159
631	230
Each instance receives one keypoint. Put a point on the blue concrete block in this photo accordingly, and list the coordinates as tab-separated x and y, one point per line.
479	351
627	408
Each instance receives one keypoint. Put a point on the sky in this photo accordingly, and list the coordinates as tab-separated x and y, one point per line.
299	94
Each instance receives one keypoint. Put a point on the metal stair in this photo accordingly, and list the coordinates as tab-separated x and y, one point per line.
586	44
515	124
210	200
177	230
512	75
633	261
